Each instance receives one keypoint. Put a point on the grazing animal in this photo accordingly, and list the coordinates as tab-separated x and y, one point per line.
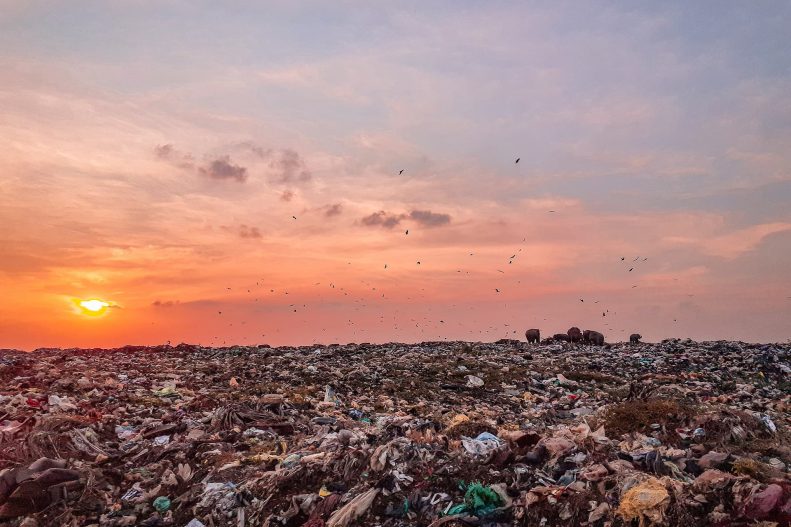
596	338
533	336
634	338
590	336
562	337
575	335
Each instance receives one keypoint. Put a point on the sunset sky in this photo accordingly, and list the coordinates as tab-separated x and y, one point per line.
156	154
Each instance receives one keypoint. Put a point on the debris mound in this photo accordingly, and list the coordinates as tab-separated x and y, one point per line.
438	433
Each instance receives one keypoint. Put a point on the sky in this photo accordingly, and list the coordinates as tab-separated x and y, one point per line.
231	172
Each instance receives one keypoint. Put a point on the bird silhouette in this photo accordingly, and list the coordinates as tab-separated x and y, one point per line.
517	160
400	171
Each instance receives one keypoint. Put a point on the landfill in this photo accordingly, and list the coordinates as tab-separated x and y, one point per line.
436	433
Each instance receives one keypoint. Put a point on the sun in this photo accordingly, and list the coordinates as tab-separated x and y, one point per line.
92	307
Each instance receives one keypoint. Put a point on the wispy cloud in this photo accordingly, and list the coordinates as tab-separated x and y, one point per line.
243	231
169	153
388	220
333	210
735	243
165	303
429	219
223	168
382	219
289	167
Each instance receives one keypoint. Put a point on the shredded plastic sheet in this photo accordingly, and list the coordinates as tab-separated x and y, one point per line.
645	502
353	510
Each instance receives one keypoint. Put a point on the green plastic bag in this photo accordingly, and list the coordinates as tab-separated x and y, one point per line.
457	509
480	500
162	504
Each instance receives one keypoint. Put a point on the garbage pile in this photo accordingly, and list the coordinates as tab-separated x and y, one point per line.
430	434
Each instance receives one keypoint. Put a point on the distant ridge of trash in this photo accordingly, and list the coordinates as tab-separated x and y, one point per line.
549	433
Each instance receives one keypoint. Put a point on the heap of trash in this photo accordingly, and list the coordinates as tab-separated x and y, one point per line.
429	434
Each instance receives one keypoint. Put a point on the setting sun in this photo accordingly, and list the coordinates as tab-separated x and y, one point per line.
93	306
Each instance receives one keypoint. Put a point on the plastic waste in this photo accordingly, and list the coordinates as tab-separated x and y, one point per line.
353	510
162	503
481	500
645	501
167	391
286	450
330	396
770	425
482	445
474	381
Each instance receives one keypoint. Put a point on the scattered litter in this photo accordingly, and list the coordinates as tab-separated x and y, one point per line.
436	433
474	382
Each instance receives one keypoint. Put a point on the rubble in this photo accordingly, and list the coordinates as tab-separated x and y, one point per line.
436	433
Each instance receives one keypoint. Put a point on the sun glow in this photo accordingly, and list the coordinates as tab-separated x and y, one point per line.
92	307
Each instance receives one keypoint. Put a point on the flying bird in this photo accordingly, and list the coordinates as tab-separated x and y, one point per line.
622	258
400	171
630	269
294	217
407	231
517	160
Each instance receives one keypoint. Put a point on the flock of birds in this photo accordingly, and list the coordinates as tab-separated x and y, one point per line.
424	323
